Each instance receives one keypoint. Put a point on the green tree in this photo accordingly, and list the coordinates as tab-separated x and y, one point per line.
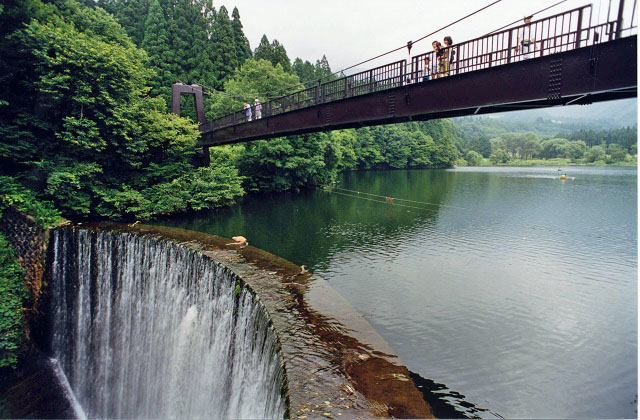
224	51
274	52
131	14
616	152
443	133
243	50
368	151
264	51
156	44
499	156
290	163
305	71
253	80
473	158
323	69
594	154
480	144
101	146
554	148
346	141
575	150
280	56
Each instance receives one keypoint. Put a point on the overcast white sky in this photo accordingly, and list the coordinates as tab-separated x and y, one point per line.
350	31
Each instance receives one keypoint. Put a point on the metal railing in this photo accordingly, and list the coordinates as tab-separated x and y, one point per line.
555	34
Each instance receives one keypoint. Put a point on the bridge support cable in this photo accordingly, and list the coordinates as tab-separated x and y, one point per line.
283	91
486	78
520	19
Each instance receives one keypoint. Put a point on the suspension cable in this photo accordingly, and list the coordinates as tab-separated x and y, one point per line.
518	20
303	83
396	49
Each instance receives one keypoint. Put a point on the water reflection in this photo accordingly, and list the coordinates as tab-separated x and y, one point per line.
507	284
448	404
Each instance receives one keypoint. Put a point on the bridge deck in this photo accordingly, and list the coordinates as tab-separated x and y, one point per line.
564	61
597	73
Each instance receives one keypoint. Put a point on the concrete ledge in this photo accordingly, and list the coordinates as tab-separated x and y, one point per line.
336	364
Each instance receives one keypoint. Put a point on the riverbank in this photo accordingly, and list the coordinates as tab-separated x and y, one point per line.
558	162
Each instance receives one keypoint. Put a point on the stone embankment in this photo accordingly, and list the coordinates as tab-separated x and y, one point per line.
33	389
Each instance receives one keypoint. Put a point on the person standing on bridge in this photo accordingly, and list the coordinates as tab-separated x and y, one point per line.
451	53
526	42
258	108
427	69
247	111
437	65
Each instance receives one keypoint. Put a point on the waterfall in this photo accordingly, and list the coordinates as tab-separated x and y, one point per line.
146	328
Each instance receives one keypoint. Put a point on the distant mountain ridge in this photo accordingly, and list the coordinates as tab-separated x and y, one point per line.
598	116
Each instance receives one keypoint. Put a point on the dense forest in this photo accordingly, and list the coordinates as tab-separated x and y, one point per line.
489	141
86	132
86	123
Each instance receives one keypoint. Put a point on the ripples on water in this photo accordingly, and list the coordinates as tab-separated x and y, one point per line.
506	284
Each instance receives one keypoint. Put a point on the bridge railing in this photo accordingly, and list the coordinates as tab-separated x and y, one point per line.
373	80
559	33
554	34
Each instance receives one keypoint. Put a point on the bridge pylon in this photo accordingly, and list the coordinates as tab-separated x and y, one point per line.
177	90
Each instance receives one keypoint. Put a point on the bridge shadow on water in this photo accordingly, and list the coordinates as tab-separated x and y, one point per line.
448	404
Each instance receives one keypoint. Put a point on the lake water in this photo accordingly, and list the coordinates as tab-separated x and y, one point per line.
508	291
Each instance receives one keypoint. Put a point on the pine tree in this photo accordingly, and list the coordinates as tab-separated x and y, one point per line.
274	52
156	44
280	56
306	72
225	59
131	14
209	16
243	50
263	51
322	68
203	72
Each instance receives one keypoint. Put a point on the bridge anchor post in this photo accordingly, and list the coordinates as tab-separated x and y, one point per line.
178	89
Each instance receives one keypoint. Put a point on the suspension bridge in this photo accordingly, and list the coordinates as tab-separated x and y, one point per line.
569	60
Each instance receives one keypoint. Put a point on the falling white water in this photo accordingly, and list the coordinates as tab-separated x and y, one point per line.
69	395
145	328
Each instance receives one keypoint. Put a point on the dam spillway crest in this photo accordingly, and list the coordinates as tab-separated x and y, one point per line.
145	328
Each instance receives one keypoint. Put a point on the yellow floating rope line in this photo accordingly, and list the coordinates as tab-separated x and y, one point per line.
528	225
403	199
378	201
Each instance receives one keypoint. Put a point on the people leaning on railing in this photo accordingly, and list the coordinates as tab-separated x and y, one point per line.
258	108
427	69
526	43
247	111
451	53
437	47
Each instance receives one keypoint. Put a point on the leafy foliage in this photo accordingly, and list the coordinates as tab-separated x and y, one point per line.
243	50
13	292
290	163
96	145
274	52
473	158
15	195
254	79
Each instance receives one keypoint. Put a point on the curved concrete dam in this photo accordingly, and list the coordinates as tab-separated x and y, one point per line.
151	322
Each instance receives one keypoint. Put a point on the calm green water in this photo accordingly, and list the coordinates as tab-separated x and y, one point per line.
507	285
